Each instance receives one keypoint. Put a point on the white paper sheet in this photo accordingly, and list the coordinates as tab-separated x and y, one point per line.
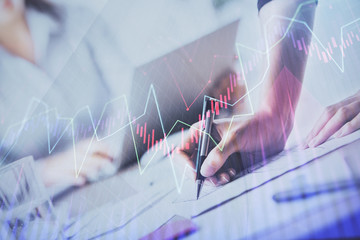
114	215
184	205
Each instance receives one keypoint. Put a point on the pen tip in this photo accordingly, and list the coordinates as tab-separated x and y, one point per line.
198	191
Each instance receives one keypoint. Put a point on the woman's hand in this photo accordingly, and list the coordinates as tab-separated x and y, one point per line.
257	137
337	120
59	169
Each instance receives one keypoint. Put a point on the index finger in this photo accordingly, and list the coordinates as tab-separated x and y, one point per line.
321	122
216	159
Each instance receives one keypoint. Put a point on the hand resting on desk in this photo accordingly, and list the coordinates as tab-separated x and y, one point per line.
337	120
59	169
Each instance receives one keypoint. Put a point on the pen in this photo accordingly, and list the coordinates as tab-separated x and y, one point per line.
203	147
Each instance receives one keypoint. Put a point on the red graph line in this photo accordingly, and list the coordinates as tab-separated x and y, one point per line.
176	83
179	89
208	82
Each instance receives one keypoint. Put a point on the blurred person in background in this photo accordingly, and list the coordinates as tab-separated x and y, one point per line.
67	59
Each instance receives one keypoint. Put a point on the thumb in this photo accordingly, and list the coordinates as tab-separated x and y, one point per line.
215	160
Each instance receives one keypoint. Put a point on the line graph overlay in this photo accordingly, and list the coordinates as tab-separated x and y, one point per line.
179	183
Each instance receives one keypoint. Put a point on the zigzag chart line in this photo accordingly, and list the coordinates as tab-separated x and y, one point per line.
179	184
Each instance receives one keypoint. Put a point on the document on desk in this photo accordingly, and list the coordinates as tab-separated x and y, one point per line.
185	203
113	216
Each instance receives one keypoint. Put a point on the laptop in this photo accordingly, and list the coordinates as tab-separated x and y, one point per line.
171	88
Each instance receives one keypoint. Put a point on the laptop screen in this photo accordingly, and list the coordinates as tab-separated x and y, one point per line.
172	87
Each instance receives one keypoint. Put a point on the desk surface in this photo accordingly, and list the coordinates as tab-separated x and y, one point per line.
255	214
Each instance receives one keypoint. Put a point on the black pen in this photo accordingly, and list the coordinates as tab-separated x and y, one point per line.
203	146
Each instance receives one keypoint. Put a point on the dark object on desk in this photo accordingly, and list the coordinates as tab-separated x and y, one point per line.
219	3
204	144
309	191
176	228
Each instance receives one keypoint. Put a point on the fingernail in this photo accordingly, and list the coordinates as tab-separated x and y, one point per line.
303	146
93	176
308	138
338	134
210	181
207	170
224	178
232	172
312	143
80	181
108	170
